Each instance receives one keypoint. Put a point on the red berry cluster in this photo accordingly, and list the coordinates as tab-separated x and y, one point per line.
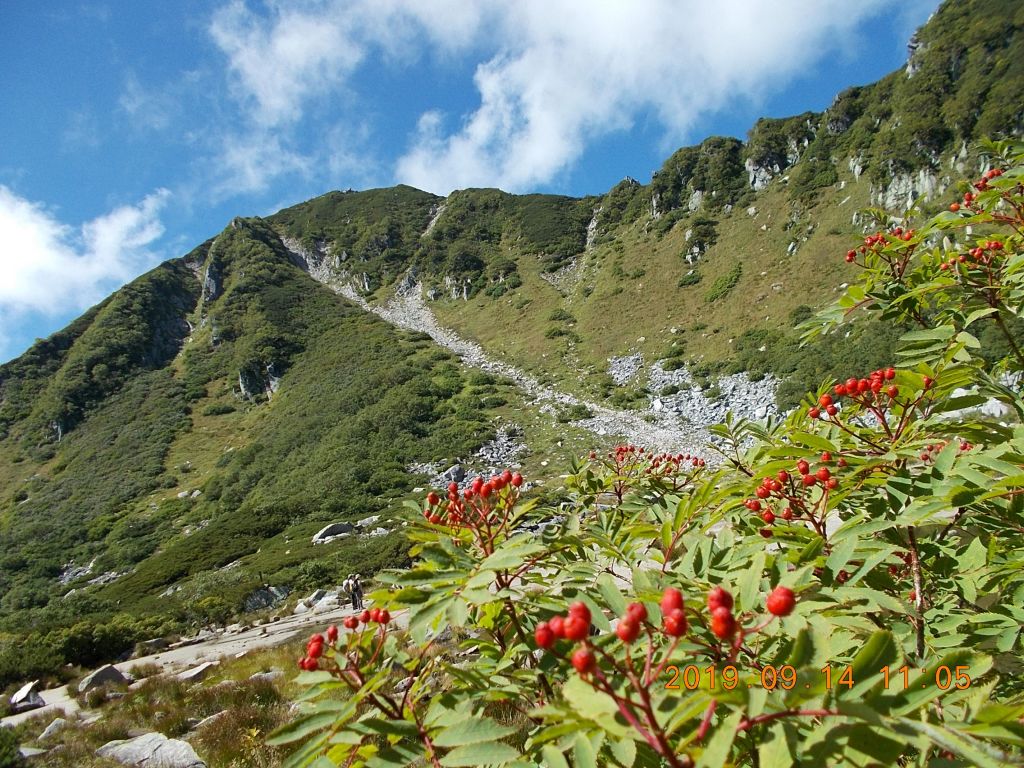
628	463
790	490
877	242
575	627
976	258
932	449
981	185
865	391
483	506
315	646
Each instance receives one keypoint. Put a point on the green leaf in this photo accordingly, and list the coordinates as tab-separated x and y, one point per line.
301	728
610	591
977	753
485	753
624	752
553	758
472	731
583	752
879	651
720	745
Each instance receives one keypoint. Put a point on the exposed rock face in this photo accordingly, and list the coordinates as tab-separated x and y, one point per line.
152	750
746	399
105	675
760	176
55	727
904	189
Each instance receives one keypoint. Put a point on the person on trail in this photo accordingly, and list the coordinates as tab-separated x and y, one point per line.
349	586
359	591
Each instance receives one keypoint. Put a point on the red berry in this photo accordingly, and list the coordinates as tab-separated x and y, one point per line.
719	598
831	410
768	516
783	476
332	633
576	628
579	608
627	630
485	490
315	650
517	479
557	624
435	519
723	623
826	457
814	412
803	467
928	381
809	480
671	600
787	513
543	635
674	623
453	487
832	484
583	660
352	622
766	533
365	617
781	601
825	400
433	499
841	462
375	615
954	207
384	617
762	492
823	473
637	612
506	476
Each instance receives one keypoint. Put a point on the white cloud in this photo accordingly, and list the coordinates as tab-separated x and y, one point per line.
49	268
564	78
552	75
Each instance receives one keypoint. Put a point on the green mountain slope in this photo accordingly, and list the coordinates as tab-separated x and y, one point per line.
228	404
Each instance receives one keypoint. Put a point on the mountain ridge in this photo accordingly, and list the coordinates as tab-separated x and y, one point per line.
225	405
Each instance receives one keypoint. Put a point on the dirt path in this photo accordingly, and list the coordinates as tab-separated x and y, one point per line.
174	660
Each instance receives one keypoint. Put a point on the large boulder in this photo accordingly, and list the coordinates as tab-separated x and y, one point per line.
152	750
27	697
107	675
196	674
55	727
265	597
333	531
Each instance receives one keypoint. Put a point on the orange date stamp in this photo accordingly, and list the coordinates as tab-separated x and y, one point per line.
691	677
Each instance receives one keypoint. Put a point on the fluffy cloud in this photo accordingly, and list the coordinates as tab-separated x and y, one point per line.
552	76
49	268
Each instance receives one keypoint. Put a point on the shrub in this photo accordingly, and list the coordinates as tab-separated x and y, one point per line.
842	591
724	284
690	278
218	409
575	412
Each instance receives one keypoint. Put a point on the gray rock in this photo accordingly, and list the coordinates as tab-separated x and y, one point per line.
30	752
265	597
55	727
106	675
332	531
269	677
147	647
366	522
209	720
27	698
454	474
315	597
152	750
196	674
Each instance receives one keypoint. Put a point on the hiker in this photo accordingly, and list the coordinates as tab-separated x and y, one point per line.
349	585
359	590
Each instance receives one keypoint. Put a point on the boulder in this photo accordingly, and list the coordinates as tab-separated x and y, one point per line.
151	750
27	697
332	531
265	597
269	676
196	674
106	675
454	474
58	725
366	522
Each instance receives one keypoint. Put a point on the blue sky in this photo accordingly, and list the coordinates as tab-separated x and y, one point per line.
131	131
